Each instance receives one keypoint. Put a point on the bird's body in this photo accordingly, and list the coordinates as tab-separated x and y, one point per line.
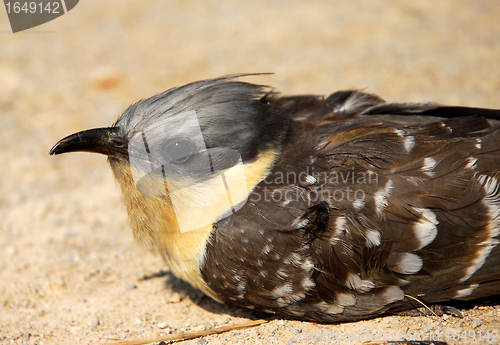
323	209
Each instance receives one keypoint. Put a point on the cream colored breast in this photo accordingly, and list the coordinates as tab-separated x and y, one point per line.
155	219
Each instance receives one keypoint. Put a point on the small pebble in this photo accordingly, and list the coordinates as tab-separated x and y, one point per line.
75	330
478	323
11	250
173	298
202	341
58	282
130	287
446	317
162	325
95	324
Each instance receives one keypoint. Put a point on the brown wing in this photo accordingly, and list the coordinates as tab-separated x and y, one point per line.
365	205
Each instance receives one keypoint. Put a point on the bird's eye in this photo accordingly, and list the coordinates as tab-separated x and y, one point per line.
179	150
118	143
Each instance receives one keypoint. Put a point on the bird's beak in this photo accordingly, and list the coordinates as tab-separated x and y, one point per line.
106	141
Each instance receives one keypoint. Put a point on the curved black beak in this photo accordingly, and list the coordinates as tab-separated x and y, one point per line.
106	141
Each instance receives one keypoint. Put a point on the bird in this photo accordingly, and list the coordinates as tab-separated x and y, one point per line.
329	209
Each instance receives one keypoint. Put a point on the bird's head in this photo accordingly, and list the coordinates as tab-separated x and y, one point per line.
201	147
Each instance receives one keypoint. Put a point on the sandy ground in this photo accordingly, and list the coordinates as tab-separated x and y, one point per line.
70	272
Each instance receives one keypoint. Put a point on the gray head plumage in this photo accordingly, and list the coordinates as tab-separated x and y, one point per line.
200	128
230	113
